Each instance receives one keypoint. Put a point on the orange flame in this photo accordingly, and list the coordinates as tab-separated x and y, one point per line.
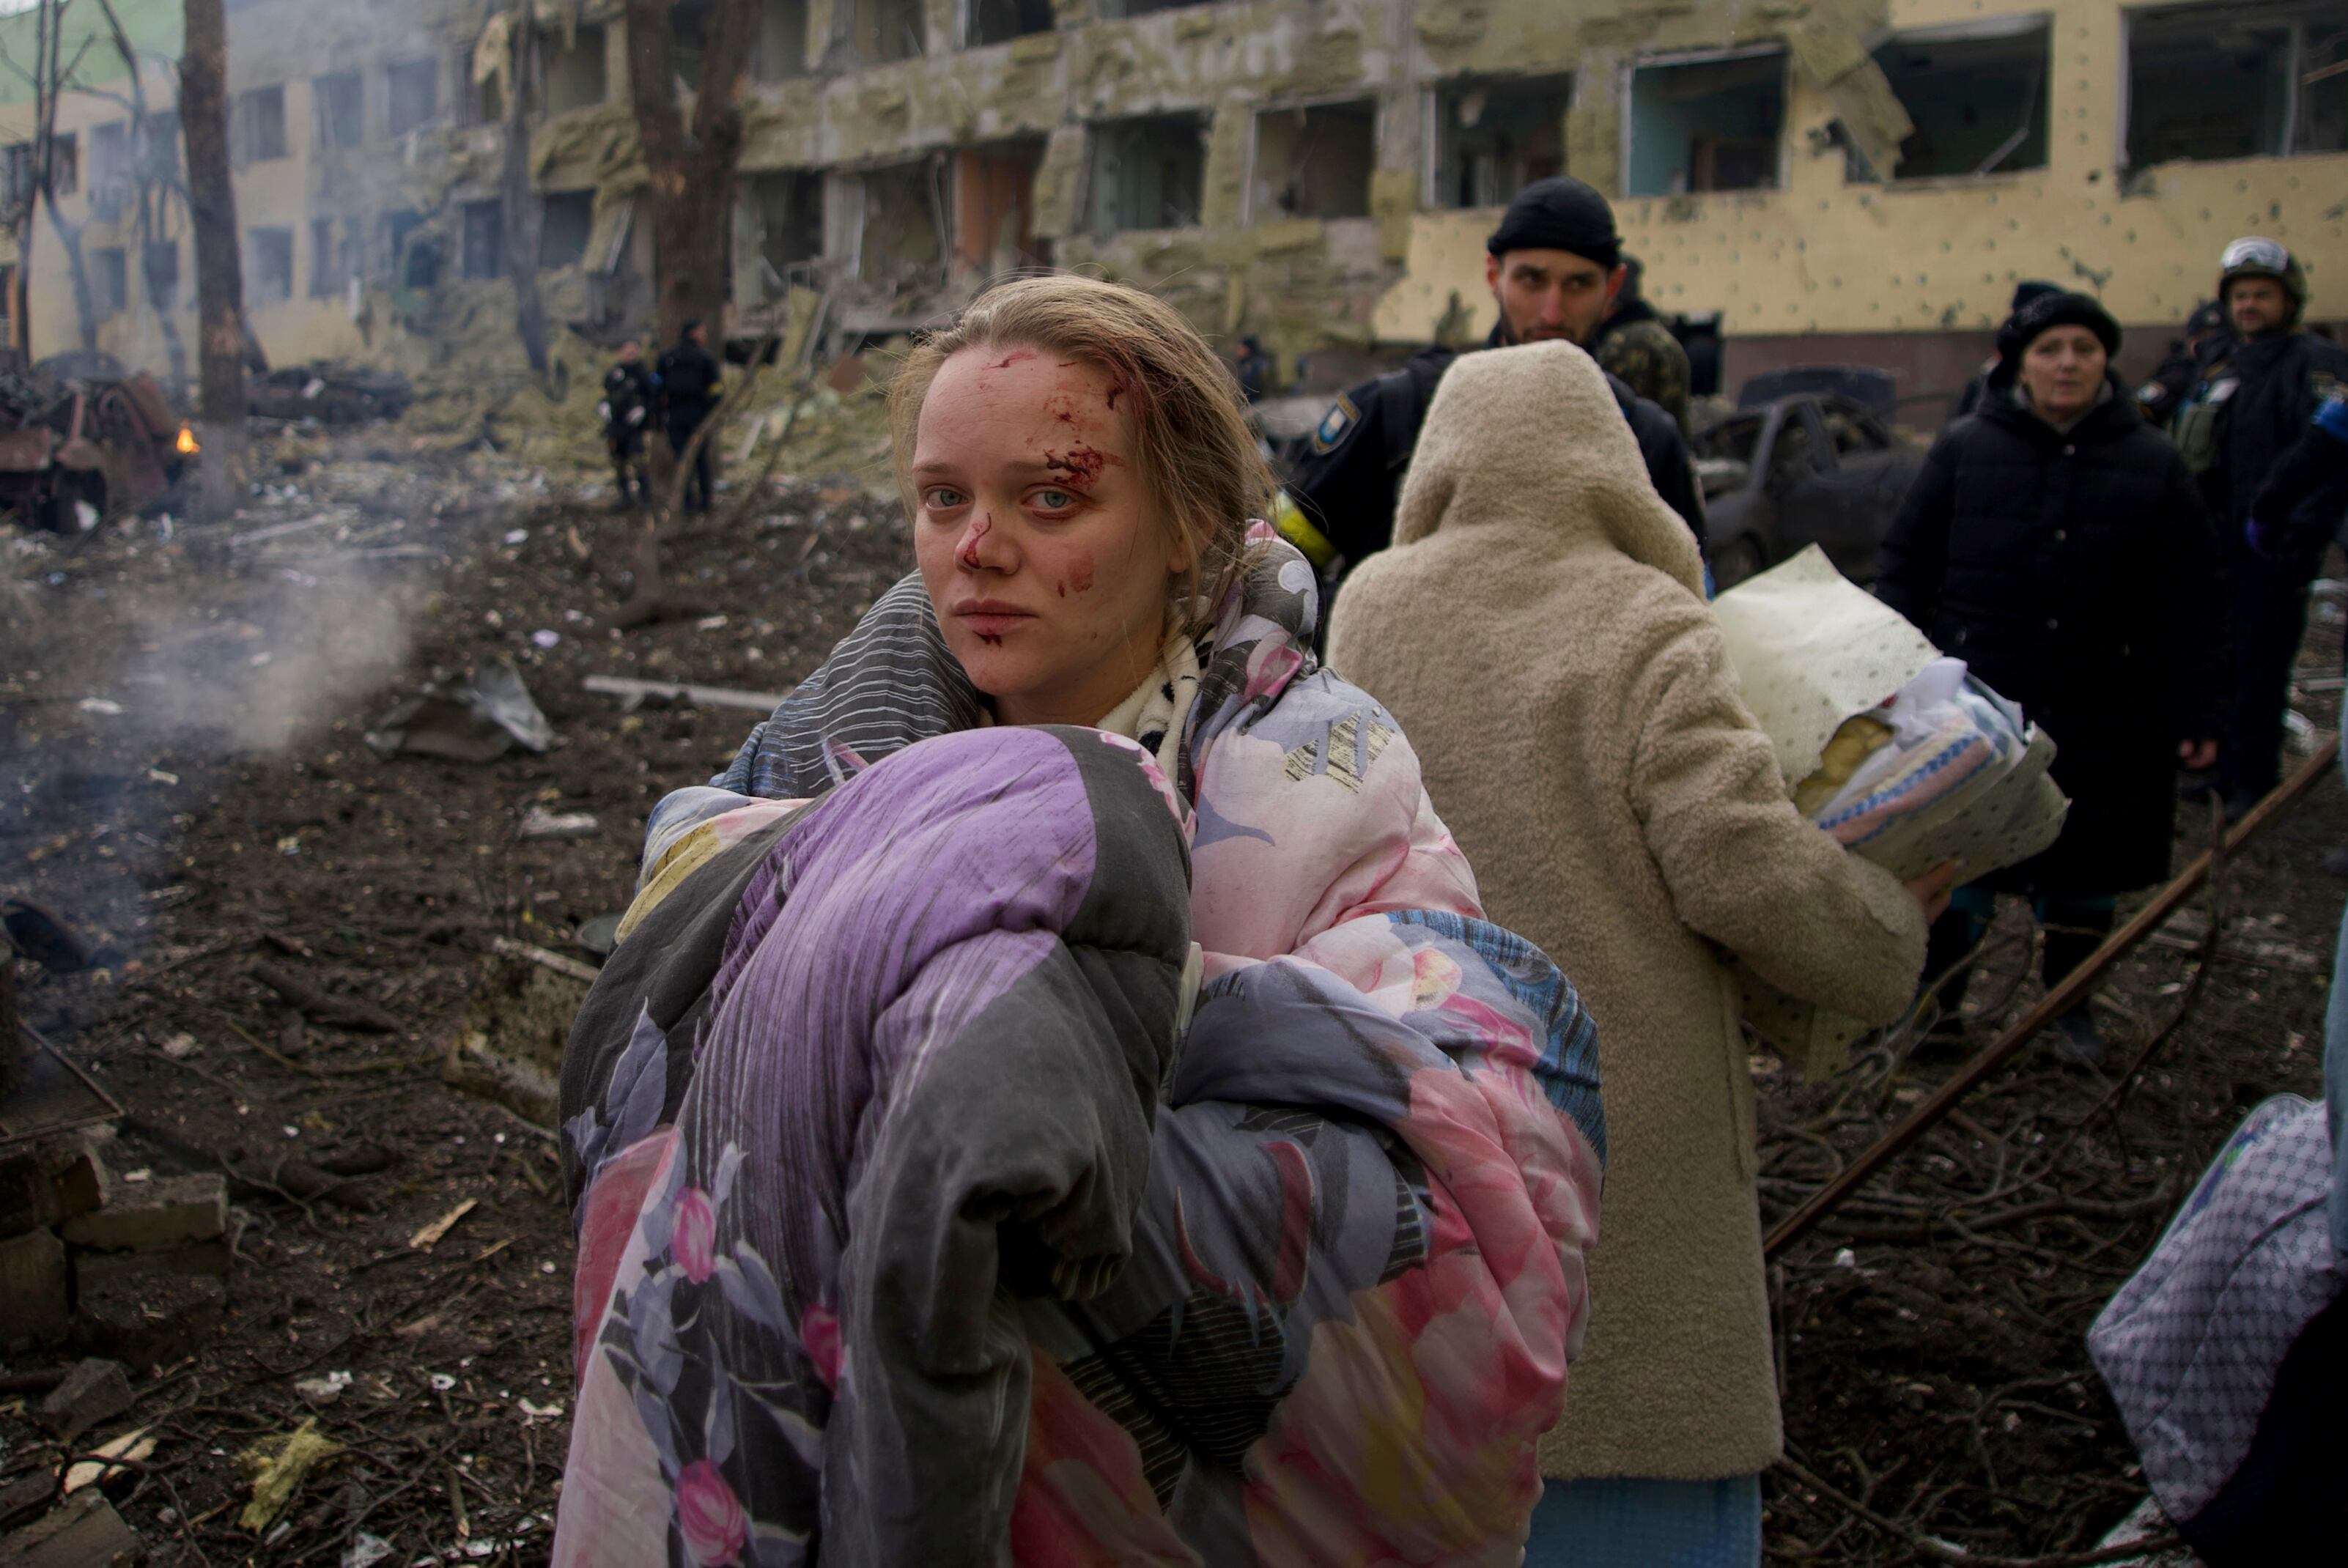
188	447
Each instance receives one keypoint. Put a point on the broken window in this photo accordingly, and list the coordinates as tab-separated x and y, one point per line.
890	30
782	50
1976	94
269	265
1000	21
109	169
260	124
485	239
332	265
904	224
412	259
159	267
573	77
1495	137
1147	173
110	281
335	103
563	228
688	43
158	146
1314	162
2235	81
64	163
787	207
1708	124
411	95
993	206
19	175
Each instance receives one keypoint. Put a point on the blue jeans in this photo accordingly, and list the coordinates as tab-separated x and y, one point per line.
1632	1522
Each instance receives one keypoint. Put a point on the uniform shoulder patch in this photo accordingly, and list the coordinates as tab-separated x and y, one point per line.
1342	416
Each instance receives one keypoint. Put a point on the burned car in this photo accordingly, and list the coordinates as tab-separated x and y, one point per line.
1802	462
74	450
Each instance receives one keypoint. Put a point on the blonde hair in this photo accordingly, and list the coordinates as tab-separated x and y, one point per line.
1194	455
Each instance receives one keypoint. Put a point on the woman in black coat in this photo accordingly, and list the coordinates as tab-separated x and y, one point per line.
2055	543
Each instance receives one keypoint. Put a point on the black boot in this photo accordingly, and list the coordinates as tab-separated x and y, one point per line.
2073	935
1949	945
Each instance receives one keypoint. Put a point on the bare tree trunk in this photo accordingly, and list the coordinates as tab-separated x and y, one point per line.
692	169
220	275
520	202
154	203
48	85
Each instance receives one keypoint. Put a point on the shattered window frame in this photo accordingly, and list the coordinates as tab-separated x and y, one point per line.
402	262
161	283
267	246
587	58
1740	64
566	223
110	282
402	101
1298	191
985	23
1448	175
260	125
64	163
158	145
2024	148
787	205
481	240
2297	107
1113	140
881	34
109	169
781	54
338	107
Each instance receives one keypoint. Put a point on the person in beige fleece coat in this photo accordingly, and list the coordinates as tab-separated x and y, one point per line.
1540	631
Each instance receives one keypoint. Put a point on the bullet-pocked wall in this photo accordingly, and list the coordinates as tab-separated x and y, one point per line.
2127	195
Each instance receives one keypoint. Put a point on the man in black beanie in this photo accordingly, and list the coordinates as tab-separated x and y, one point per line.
1554	266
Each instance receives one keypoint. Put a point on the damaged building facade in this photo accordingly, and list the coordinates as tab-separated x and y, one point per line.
1841	180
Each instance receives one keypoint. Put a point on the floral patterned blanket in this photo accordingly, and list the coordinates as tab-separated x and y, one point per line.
918	1225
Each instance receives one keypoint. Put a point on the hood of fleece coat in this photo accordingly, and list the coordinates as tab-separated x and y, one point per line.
1531	438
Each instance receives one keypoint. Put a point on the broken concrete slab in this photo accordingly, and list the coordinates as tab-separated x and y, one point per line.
96	1390
156	1217
149	1320
34	1306
83	1532
93	1267
48	1182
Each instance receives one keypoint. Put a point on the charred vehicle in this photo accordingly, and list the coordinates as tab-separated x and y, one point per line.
1796	467
74	450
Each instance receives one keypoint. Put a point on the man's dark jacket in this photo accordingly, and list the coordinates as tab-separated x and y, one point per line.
2279	379
1349	480
2075	572
689	378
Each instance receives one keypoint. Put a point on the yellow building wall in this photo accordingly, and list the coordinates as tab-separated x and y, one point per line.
1823	255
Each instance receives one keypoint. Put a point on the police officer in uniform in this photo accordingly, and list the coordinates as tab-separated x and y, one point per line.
688	379
1635	347
2256	392
629	393
1555	266
2163	394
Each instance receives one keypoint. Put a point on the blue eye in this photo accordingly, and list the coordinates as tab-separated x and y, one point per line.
1055	500
943	498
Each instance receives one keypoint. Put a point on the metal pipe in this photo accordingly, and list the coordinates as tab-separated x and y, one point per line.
2073	989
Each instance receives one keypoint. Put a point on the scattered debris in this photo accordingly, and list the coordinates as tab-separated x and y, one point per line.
137	1448
155	1216
430	1236
324	1391
540	823
329	394
276	1467
511	948
473	721
83	1532
95	1390
334	1012
633	693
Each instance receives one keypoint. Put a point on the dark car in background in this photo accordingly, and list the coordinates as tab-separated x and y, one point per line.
1790	468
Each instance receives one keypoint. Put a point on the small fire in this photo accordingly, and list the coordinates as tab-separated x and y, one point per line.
188	447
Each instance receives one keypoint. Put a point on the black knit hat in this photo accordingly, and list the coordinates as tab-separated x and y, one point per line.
1560	213
2028	291
2023	327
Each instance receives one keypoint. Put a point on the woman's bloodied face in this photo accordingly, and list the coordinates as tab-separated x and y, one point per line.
1040	548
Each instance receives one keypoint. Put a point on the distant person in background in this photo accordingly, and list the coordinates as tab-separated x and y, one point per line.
1253	368
2251	401
2023	294
2055	543
2205	331
689	385
629	393
1634	344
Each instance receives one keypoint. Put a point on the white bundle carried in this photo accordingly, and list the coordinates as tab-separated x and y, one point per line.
1941	768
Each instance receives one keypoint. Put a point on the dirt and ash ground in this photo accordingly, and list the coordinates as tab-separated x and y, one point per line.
182	770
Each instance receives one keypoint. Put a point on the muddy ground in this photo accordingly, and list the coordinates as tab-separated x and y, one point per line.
183	770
